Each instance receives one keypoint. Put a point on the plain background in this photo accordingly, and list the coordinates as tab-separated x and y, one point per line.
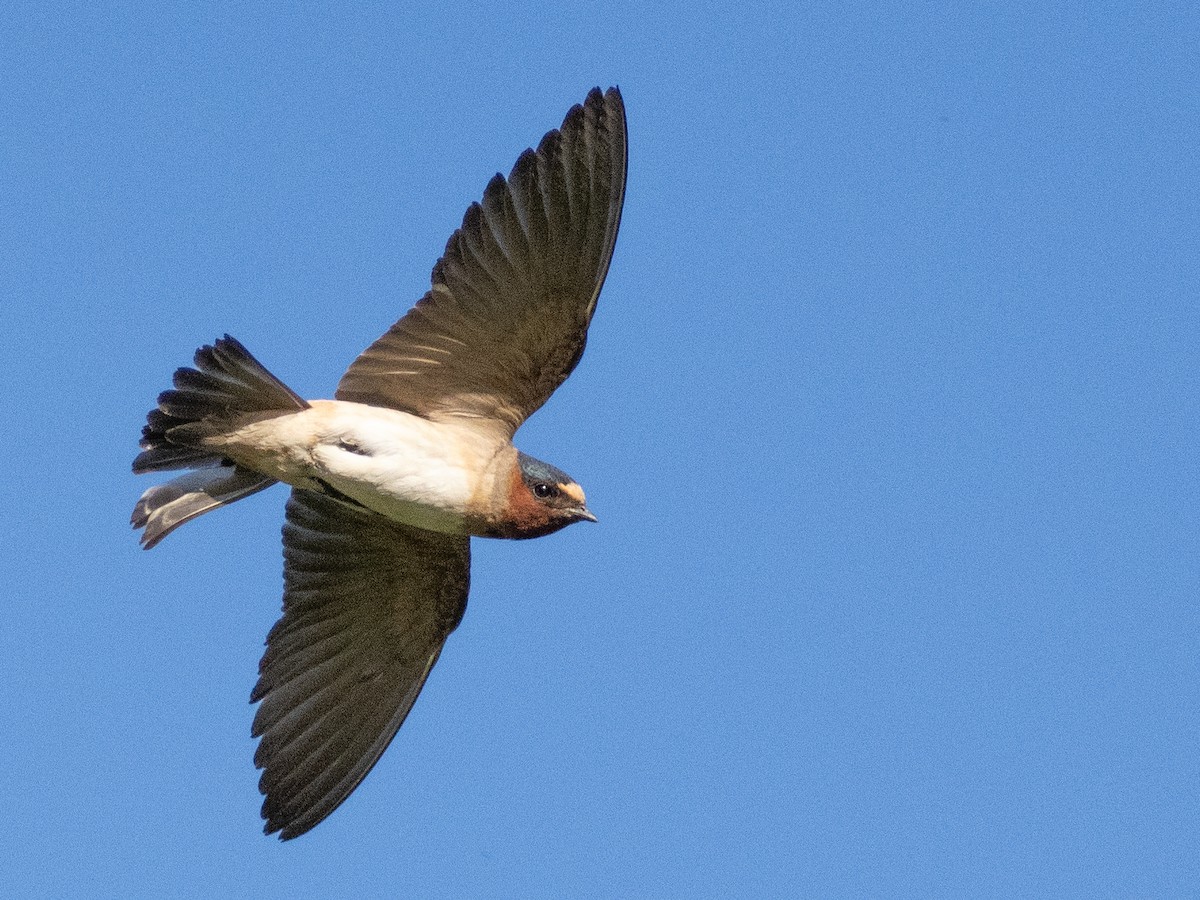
889	415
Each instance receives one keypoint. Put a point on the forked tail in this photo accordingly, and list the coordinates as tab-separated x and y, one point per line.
226	385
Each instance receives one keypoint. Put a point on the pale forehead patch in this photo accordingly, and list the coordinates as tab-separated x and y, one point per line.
572	490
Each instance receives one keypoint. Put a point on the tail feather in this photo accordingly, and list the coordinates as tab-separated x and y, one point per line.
227	385
165	507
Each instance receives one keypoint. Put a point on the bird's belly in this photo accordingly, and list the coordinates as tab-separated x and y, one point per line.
404	467
424	490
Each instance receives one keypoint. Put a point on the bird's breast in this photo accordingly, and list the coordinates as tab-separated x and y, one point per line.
427	474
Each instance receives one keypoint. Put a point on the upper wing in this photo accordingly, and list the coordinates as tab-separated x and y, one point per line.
367	605
506	319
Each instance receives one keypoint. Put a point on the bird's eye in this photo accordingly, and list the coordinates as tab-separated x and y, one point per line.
543	491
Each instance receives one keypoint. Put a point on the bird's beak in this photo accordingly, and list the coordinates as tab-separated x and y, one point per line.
584	513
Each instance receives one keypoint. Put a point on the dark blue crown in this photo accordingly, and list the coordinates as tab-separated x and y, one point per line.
534	470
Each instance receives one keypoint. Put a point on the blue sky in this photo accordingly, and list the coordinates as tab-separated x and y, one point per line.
889	415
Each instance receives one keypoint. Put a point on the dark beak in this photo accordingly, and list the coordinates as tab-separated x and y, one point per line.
584	513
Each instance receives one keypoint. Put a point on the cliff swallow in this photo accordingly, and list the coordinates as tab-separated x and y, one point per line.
391	479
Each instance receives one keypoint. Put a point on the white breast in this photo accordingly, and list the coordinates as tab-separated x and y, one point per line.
402	466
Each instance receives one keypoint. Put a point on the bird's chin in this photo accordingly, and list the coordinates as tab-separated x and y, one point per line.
522	532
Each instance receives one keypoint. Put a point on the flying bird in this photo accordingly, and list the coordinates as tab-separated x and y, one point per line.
413	457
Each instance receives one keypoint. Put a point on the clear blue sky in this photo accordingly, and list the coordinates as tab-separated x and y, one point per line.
889	415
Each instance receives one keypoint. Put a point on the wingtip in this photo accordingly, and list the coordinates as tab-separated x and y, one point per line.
278	824
282	832
277	829
610	96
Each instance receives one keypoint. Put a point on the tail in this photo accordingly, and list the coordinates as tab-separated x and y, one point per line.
227	384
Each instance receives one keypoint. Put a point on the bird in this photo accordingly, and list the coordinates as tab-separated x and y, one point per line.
412	458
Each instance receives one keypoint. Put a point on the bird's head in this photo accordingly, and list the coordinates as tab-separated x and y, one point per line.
542	499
